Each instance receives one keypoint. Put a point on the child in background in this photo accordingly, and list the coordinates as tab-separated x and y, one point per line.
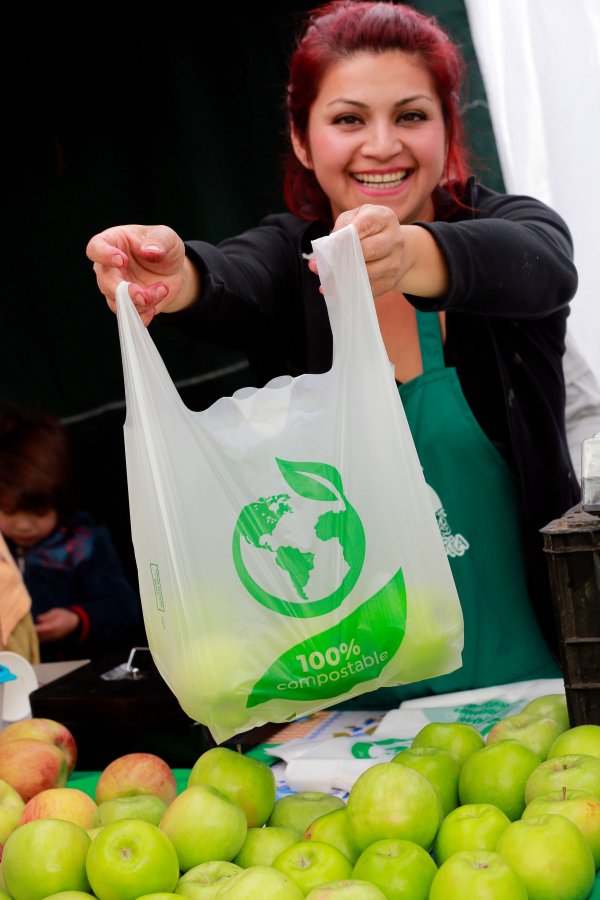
82	604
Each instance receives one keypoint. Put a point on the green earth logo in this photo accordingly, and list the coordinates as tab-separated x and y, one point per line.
309	546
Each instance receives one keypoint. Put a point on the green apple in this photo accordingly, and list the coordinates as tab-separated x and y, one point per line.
71	895
531	729
203	824
310	864
477	873
31	766
553	705
297	811
580	739
45	856
332	828
11	807
391	801
261	883
61	803
262	845
550	856
136	773
48	730
472	826
439	766
458	738
205	881
148	807
399	868
349	889
213	685
130	858
581	808
248	782
573	772
497	774
161	895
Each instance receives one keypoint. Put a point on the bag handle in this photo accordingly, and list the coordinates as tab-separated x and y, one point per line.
343	274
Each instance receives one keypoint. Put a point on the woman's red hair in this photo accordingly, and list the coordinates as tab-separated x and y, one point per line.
336	31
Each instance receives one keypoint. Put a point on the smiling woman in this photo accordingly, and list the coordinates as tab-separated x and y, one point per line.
471	289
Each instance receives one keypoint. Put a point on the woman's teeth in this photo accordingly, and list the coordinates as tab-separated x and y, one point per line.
388	179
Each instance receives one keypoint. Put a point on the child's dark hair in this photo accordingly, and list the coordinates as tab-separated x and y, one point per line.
36	466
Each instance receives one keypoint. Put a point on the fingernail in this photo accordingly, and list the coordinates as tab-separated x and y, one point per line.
161	292
117	260
151	248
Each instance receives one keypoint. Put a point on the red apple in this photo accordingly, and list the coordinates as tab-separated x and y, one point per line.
31	766
66	803
44	730
136	773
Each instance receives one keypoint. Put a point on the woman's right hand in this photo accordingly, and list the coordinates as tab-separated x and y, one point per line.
152	258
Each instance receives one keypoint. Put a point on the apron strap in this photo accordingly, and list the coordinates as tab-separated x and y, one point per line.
430	339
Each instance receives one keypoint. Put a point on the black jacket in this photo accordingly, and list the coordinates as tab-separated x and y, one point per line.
511	277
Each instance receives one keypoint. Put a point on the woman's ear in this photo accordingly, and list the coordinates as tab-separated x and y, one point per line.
300	150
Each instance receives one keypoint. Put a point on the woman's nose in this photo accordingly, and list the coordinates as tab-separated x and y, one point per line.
382	141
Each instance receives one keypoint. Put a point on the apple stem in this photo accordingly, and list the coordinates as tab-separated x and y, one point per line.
238	747
564	792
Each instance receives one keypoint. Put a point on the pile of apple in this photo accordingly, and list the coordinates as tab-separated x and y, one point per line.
514	815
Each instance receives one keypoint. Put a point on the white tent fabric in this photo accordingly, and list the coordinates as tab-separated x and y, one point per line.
540	63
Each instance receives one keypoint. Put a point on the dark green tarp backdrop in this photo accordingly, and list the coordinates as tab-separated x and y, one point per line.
176	118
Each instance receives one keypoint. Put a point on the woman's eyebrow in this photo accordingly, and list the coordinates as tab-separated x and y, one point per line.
359	105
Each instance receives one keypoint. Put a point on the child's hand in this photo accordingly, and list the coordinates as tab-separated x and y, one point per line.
56	624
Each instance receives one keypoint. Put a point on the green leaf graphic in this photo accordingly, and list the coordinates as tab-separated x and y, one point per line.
298	476
334	661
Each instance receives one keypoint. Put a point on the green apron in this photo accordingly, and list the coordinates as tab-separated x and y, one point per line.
476	502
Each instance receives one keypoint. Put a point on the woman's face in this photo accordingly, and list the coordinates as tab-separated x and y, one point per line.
376	134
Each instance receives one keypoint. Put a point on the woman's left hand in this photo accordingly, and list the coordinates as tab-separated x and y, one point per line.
398	257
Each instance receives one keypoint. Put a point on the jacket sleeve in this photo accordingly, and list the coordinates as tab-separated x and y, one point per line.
513	258
246	283
108	606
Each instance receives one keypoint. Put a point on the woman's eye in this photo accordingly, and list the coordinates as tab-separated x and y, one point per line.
347	119
412	116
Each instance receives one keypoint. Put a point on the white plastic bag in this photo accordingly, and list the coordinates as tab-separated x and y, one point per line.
287	551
